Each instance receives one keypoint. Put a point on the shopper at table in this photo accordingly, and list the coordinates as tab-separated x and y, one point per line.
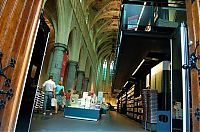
68	98
49	90
60	92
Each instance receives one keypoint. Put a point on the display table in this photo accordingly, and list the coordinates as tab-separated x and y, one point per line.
82	113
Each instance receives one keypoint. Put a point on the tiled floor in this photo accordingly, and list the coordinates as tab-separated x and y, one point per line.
111	121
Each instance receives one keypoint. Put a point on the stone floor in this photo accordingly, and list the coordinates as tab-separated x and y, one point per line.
112	122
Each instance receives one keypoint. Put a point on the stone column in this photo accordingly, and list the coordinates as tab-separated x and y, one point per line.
85	86
107	77
108	74
57	59
72	68
49	66
100	77
99	83
79	86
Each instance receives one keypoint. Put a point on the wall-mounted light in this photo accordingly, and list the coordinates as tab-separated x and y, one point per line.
125	84
138	67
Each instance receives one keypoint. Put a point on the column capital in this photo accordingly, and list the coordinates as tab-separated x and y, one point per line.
72	62
81	72
61	45
86	79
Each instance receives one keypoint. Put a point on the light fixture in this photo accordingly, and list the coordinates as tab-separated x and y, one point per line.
138	67
141	13
125	84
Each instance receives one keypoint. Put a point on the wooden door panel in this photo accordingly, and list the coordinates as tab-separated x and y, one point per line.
18	20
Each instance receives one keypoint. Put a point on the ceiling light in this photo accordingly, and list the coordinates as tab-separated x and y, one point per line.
138	67
125	84
155	59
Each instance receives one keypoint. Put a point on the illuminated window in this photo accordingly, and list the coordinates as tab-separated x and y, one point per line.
104	70
86	19
98	74
111	70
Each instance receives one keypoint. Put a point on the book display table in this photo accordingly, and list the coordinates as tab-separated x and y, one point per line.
82	113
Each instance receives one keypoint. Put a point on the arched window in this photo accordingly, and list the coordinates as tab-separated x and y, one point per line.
87	18
111	70
104	69
98	74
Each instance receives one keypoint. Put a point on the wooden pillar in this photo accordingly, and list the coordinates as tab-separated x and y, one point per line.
19	21
193	21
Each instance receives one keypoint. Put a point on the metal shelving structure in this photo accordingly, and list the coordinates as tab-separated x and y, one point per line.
130	102
150	104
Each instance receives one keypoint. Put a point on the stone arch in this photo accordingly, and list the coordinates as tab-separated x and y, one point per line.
87	71
90	84
77	43
49	51
69	48
83	4
87	66
71	38
82	59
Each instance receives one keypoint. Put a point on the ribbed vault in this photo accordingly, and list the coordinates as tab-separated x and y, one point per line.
105	24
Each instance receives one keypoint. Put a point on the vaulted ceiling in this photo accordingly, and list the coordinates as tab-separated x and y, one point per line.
103	16
104	22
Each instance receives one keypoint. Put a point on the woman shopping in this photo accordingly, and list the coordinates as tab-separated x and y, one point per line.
59	96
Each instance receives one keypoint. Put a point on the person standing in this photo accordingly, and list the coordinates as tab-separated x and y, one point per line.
68	98
49	92
60	92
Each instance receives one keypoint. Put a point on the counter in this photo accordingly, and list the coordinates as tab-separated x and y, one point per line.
82	113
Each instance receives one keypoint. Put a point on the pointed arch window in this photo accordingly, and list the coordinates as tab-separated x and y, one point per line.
87	18
111	70
98	73
104	69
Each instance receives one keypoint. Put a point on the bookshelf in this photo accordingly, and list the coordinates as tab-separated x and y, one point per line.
130	102
131	106
138	109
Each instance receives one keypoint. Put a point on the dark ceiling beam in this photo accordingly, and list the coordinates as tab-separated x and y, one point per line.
109	7
108	22
108	39
148	34
104	16
162	3
112	30
105	36
106	56
102	44
106	48
108	28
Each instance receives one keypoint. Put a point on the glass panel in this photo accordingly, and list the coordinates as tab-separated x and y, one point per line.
146	17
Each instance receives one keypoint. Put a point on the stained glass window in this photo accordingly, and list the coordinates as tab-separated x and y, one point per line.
104	69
